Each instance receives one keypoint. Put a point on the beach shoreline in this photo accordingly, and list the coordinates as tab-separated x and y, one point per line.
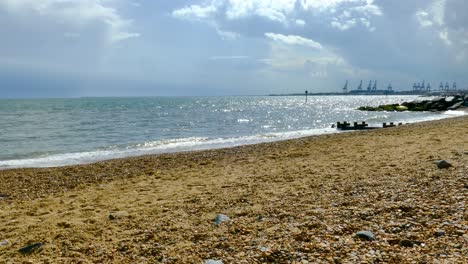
289	201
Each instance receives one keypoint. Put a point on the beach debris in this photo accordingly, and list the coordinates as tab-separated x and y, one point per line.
365	235
260	218
4	243
3	196
221	218
30	248
442	164
213	261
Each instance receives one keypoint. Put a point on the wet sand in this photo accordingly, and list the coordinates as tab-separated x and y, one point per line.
295	201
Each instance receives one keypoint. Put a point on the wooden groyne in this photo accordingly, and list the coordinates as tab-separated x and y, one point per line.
362	126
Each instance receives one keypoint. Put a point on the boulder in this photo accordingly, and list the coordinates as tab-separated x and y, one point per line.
438	100
455	106
402	108
450	99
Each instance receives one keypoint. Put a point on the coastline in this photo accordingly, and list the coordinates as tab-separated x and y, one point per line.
313	194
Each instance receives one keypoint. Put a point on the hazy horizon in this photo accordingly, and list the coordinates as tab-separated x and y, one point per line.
115	48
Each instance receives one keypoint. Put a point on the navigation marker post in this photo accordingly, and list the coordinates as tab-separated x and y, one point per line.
306	92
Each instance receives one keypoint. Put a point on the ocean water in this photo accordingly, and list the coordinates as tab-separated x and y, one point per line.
57	132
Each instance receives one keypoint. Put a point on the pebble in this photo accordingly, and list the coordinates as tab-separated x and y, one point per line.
117	215
439	233
365	235
30	248
442	164
221	218
213	261
264	248
4	243
406	243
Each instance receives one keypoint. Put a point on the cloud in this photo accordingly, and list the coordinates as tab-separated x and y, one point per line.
74	13
444	36
300	22
195	12
424	19
345	25
275	10
225	34
445	20
294	40
280	11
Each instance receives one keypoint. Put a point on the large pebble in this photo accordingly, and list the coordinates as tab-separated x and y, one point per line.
117	215
221	218
365	235
30	248
213	261
4	243
442	164
439	233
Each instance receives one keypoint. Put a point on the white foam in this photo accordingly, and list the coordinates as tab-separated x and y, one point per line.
156	147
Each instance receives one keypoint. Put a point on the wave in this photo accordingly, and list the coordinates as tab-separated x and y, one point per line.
155	147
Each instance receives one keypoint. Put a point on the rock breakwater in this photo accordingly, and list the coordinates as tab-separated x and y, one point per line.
437	104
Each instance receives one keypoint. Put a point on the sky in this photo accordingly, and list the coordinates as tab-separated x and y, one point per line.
74	48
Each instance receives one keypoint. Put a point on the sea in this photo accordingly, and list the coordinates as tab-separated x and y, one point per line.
59	132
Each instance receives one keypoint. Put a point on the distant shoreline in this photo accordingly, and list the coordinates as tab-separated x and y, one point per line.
367	93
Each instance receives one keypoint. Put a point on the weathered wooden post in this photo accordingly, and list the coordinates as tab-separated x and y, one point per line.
306	92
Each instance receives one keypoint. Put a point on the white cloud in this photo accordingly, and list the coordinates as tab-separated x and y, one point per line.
434	14
304	64
224	34
281	11
271	14
444	36
345	25
271	9
424	19
433	18
294	40
369	9
76	13
437	10
300	22
195	12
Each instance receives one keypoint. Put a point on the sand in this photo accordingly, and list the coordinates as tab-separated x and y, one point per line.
295	201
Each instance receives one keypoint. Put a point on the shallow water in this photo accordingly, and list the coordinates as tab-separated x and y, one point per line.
55	132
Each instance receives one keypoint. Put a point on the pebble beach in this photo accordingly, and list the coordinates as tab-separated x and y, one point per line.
361	197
